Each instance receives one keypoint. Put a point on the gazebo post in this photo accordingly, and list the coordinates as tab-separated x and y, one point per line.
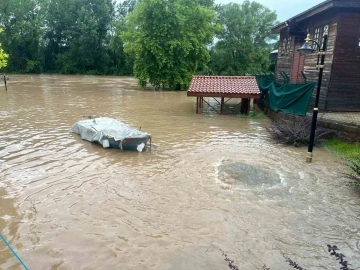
197	105
222	105
245	106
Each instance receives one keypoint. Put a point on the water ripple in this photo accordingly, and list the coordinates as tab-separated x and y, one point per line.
66	203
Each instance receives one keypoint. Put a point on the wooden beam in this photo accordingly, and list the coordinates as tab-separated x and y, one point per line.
211	107
197	105
228	100
217	101
222	105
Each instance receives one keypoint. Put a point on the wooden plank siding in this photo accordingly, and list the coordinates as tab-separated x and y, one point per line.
310	70
292	64
284	61
298	63
340	90
344	89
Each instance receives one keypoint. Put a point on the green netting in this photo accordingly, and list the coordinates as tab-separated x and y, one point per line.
287	98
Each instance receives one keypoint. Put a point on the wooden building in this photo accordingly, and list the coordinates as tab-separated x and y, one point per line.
340	89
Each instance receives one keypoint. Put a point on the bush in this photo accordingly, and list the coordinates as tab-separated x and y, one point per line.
295	130
354	174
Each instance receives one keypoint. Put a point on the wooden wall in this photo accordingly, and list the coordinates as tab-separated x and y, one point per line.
340	89
298	62
291	63
284	61
344	89
310	70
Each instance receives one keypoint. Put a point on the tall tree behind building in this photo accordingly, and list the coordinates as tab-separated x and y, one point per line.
244	45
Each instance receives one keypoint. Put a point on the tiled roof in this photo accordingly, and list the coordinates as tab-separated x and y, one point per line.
224	85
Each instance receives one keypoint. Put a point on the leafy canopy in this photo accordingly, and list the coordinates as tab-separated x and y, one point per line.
23	25
121	63
3	55
163	41
167	39
76	35
244	44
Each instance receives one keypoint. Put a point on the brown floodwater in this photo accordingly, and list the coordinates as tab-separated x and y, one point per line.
211	183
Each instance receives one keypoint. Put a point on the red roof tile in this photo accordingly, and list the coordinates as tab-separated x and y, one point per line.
245	85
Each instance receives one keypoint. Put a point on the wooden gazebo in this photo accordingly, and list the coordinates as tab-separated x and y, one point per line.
229	87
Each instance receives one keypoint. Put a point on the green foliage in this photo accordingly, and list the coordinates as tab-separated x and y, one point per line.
121	62
245	42
125	7
351	153
23	24
163	41
354	175
3	56
77	35
168	40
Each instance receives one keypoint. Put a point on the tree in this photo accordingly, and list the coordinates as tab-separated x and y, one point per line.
3	55
244	45
125	7
22	23
168	40
122	63
77	35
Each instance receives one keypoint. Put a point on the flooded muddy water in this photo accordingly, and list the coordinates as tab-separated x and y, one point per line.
211	183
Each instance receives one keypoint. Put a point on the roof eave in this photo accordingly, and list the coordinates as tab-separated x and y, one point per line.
303	15
279	27
347	4
314	11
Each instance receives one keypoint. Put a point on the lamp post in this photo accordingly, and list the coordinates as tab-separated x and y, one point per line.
306	49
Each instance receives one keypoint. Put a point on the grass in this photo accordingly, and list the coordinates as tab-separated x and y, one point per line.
350	152
343	149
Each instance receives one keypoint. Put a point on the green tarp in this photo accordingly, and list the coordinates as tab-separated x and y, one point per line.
287	98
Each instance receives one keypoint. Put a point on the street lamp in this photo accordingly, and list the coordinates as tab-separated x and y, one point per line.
306	49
